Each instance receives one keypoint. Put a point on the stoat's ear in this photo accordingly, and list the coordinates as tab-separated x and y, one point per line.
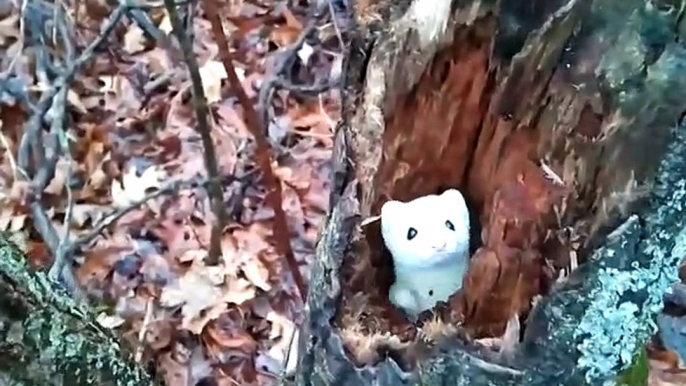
452	194
453	198
391	209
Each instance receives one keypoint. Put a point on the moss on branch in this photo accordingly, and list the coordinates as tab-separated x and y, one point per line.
47	339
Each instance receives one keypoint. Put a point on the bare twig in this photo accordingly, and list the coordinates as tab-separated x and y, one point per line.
144	329
17	172
204	128
22	31
332	12
305	89
257	128
291	344
117	214
146	24
61	251
39	159
285	58
39	151
31	142
57	130
135	4
105	32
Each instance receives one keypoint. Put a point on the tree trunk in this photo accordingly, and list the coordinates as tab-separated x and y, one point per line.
46	339
558	119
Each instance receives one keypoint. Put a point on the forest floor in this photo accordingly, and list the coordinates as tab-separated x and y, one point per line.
132	186
128	119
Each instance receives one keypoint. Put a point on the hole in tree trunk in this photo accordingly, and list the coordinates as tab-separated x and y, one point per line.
539	196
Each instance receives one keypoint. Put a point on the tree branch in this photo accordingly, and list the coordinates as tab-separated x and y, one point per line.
281	233
204	128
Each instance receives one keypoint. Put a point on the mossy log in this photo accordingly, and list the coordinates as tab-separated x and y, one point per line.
47	339
560	121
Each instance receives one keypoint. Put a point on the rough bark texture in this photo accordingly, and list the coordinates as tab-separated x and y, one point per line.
489	97
46	339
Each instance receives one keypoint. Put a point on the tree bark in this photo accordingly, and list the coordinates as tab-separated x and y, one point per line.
558	119
46	339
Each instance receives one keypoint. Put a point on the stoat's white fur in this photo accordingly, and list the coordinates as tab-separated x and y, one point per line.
430	266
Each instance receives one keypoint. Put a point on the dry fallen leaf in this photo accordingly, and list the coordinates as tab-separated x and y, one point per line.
10	221
182	368
9	28
285	35
228	335
75	101
165	25
238	290
194	292
305	52
83	213
134	39
134	188
204	288
109	321
57	183
212	74
257	273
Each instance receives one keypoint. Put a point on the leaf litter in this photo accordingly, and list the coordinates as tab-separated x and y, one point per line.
132	131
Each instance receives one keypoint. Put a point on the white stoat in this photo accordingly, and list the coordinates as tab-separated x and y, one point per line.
429	240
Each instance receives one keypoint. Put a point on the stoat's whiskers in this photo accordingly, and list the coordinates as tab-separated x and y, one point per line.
370	220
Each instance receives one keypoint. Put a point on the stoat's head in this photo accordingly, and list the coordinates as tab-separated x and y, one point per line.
427	230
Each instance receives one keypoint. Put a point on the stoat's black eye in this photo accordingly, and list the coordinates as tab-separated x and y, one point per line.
450	225
411	233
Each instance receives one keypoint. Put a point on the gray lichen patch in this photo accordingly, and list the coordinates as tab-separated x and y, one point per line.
613	329
628	290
